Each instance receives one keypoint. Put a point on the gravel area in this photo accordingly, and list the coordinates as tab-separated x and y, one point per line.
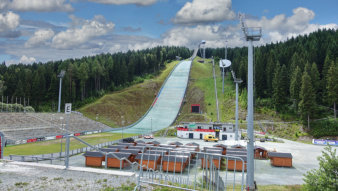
26	177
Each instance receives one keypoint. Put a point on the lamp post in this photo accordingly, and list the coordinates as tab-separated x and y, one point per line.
223	64
61	75
251	34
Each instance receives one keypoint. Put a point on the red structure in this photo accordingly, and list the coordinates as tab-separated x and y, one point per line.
195	108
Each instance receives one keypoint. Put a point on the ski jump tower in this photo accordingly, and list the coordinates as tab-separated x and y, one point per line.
251	34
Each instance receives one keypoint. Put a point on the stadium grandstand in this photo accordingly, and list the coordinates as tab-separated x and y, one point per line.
21	127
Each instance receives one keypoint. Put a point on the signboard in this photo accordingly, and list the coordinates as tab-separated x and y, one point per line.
68	108
2	143
324	142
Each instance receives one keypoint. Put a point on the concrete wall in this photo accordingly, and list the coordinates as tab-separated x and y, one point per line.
196	134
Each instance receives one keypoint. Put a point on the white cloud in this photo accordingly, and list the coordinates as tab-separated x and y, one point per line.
37	5
27	60
76	36
123	2
202	11
9	21
40	37
280	27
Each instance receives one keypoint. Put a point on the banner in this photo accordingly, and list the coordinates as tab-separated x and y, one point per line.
325	142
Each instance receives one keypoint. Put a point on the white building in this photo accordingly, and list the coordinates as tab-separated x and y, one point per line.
192	130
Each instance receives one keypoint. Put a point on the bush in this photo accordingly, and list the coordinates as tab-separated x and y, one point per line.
324	178
328	127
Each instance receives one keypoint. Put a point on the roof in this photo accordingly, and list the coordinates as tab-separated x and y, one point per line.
175	158
162	149
262	148
117	146
139	141
137	147
148	156
211	156
212	148
119	155
179	153
132	151
109	149
236	149
193	143
161	152
280	155
168	146
176	143
93	154
237	158
220	145
235	146
213	151
154	142
236	152
128	144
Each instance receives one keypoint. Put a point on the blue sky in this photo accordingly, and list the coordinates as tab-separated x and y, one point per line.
44	30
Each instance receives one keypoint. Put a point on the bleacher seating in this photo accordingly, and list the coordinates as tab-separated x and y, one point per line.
22	126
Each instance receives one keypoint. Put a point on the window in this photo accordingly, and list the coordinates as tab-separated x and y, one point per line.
198	127
185	126
224	129
210	128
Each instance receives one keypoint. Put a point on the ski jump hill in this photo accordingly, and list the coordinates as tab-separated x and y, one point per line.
167	103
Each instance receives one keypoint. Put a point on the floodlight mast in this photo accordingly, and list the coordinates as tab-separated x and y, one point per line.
61	75
251	34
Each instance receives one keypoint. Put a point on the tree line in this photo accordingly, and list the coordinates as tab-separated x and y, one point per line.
299	75
86	78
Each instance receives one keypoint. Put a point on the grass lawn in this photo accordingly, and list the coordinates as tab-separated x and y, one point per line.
126	106
54	146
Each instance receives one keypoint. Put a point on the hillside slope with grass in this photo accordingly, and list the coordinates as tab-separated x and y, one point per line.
201	91
126	106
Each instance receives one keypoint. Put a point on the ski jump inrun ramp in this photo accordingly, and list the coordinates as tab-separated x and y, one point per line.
167	104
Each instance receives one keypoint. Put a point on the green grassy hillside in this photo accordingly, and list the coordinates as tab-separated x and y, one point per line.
124	107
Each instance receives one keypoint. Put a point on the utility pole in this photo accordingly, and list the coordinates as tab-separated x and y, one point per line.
251	34
61	75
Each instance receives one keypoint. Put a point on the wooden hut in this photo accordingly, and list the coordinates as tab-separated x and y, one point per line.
133	152
237	152
114	159
280	159
207	149
174	163
235	163
205	160
94	158
261	153
224	147
149	161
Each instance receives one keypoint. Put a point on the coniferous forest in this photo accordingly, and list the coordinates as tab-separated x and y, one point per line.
298	78
85	79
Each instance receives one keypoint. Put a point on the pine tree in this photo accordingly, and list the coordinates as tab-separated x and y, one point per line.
332	86
315	78
295	86
307	99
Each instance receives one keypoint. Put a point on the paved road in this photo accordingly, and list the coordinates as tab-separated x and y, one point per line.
167	104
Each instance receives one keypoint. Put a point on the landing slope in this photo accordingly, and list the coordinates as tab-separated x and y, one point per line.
167	103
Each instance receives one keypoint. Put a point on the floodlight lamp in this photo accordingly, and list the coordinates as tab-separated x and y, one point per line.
203	42
62	74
